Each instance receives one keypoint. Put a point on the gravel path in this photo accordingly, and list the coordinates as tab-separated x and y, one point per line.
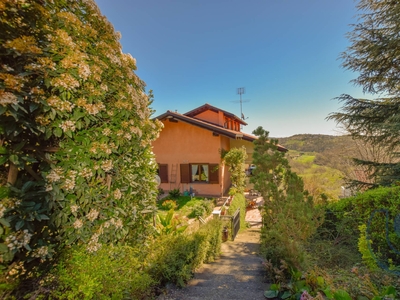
237	274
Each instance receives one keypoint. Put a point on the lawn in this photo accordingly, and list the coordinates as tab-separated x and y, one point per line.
186	206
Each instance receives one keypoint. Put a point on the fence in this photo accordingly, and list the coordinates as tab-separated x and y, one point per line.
234	222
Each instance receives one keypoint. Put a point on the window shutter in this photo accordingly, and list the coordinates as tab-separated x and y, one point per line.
163	172
214	173
185	173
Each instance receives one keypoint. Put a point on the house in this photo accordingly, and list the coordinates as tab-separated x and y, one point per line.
188	150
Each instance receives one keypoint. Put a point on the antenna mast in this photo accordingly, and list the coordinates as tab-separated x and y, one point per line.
241	91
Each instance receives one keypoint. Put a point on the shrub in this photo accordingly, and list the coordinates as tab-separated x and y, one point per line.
290	217
375	212
75	133
175	193
239	201
169	204
113	272
197	211
173	258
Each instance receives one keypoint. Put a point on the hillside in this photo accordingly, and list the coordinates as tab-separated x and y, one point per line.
321	160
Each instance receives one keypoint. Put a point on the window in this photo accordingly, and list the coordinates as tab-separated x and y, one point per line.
198	173
163	172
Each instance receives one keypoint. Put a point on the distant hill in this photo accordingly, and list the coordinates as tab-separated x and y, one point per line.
322	160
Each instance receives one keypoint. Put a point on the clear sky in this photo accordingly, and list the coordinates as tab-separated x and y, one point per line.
284	52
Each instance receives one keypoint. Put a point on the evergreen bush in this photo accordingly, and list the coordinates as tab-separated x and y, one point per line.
376	213
75	135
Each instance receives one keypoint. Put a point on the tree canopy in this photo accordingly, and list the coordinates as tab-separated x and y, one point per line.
374	54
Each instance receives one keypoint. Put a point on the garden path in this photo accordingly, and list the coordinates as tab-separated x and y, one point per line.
238	274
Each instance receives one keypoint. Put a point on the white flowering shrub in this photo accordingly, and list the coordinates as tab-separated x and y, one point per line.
75	133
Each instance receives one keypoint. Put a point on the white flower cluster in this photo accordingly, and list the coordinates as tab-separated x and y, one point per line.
91	108
107	131
18	269
41	252
7	98
117	194
74	208
65	81
93	244
2	210
59	104
55	175
115	222
69	183
86	173
68	125
8	203
107	165
92	215
77	224
18	239
84	71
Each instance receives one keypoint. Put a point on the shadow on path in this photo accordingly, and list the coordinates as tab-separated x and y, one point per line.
237	274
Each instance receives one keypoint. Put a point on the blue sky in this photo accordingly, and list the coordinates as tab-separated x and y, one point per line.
284	52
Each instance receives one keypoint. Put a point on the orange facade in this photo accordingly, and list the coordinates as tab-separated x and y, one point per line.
188	150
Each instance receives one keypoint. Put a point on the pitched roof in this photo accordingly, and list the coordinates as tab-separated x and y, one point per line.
211	127
207	106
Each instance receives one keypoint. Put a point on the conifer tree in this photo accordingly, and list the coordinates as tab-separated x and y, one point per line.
374	54
289	215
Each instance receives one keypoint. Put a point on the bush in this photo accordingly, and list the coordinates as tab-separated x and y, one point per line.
175	193
169	204
377	212
197	211
75	133
173	258
239	201
290	217
113	272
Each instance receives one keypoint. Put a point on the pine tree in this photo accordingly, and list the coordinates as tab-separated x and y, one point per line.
374	53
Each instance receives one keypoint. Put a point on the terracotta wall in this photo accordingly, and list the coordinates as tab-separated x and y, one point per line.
249	149
209	116
181	143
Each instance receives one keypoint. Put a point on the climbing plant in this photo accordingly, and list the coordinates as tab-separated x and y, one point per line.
75	134
235	159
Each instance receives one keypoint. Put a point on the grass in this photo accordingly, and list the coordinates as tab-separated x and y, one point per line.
185	205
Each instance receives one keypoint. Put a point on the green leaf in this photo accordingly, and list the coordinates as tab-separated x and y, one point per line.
69	133
3	150
286	294
1	230
57	132
33	106
3	159
44	217
328	293
3	109
19	224
48	133
78	114
27	186
19	146
341	295
5	222
3	248
390	290
14	159
271	294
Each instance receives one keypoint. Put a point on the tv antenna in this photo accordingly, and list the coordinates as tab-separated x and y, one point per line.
241	91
